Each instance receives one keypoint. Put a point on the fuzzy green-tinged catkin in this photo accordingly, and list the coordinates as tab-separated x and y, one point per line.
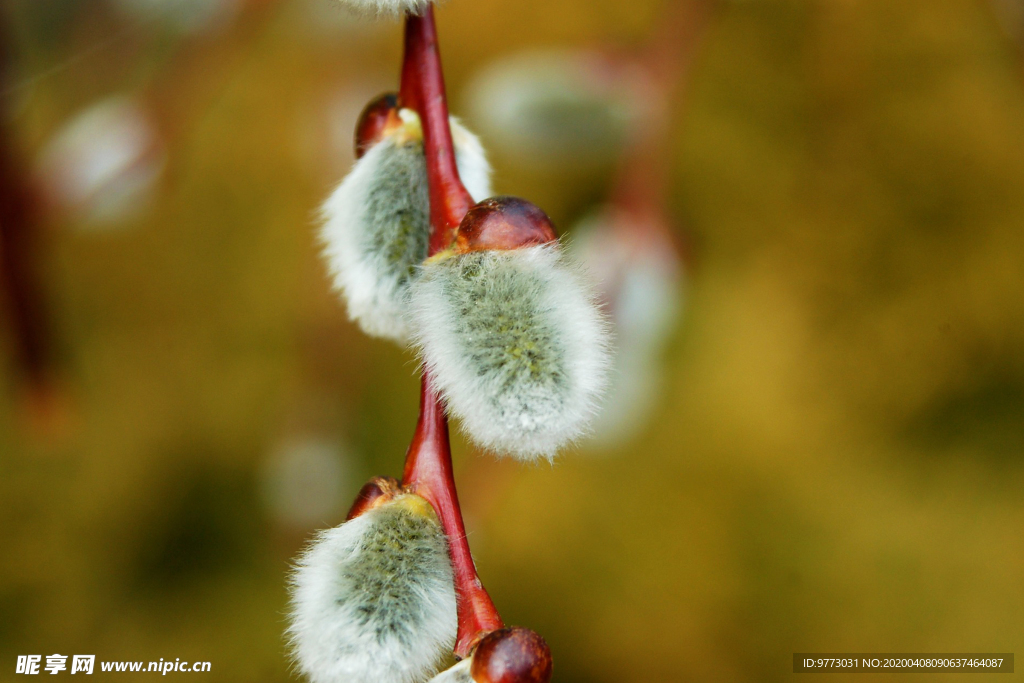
515	344
384	7
376	223
373	599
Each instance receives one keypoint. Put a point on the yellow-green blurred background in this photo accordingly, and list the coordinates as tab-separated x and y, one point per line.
836	462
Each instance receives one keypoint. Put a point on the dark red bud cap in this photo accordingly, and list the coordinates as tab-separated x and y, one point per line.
504	223
377	490
377	117
511	655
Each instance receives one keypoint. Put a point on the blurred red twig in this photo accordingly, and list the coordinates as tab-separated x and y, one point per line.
20	250
664	66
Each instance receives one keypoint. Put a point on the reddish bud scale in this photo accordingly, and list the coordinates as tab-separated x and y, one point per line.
377	118
512	655
375	492
504	223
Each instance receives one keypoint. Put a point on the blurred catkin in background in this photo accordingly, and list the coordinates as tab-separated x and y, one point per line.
835	458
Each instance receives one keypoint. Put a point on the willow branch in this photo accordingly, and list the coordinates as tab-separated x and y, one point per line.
428	466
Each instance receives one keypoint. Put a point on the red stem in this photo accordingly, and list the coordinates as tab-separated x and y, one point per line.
428	465
428	471
423	90
20	263
667	62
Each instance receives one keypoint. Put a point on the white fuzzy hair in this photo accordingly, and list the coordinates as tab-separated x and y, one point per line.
376	224
373	600
459	673
471	160
516	345
385	7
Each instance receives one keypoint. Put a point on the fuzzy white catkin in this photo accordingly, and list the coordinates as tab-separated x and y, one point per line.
373	599
459	673
642	282
553	109
384	7
377	223
516	345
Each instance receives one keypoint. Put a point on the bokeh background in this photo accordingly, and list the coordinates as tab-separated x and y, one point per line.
834	460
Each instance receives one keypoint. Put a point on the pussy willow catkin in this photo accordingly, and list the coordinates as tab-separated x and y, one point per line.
376	224
516	346
385	7
373	599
